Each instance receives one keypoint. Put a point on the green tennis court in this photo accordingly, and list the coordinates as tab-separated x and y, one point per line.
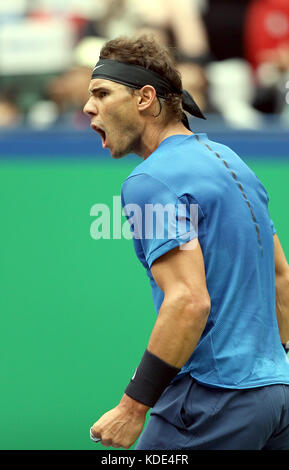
76	312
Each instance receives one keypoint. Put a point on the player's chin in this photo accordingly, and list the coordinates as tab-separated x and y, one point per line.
118	153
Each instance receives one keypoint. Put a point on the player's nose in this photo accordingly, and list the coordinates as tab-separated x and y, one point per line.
90	109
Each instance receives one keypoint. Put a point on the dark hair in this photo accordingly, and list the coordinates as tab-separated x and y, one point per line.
146	52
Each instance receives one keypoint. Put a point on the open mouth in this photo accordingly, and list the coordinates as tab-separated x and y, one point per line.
101	132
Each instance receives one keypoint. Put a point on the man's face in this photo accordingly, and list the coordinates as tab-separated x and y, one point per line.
113	113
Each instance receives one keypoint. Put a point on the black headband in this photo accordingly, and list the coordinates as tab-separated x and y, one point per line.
135	76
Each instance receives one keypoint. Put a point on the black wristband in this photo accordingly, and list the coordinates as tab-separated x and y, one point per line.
286	346
152	376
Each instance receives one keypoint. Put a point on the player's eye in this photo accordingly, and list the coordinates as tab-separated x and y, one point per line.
102	94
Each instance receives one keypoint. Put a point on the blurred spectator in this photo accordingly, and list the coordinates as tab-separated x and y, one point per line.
37	40
224	21
232	91
114	18
172	23
267	49
206	37
267	33
10	114
231	81
68	92
178	24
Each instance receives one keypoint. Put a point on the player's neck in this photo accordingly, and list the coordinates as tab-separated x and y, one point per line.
153	136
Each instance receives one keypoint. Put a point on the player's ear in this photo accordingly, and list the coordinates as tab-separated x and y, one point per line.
146	97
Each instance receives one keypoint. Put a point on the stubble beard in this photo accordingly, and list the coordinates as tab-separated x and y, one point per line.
131	145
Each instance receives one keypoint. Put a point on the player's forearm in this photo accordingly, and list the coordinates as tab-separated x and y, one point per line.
133	407
178	329
282	306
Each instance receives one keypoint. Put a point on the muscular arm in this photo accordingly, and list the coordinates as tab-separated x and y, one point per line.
183	314
186	306
181	320
282	290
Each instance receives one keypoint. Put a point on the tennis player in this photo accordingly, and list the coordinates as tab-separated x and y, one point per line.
215	373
